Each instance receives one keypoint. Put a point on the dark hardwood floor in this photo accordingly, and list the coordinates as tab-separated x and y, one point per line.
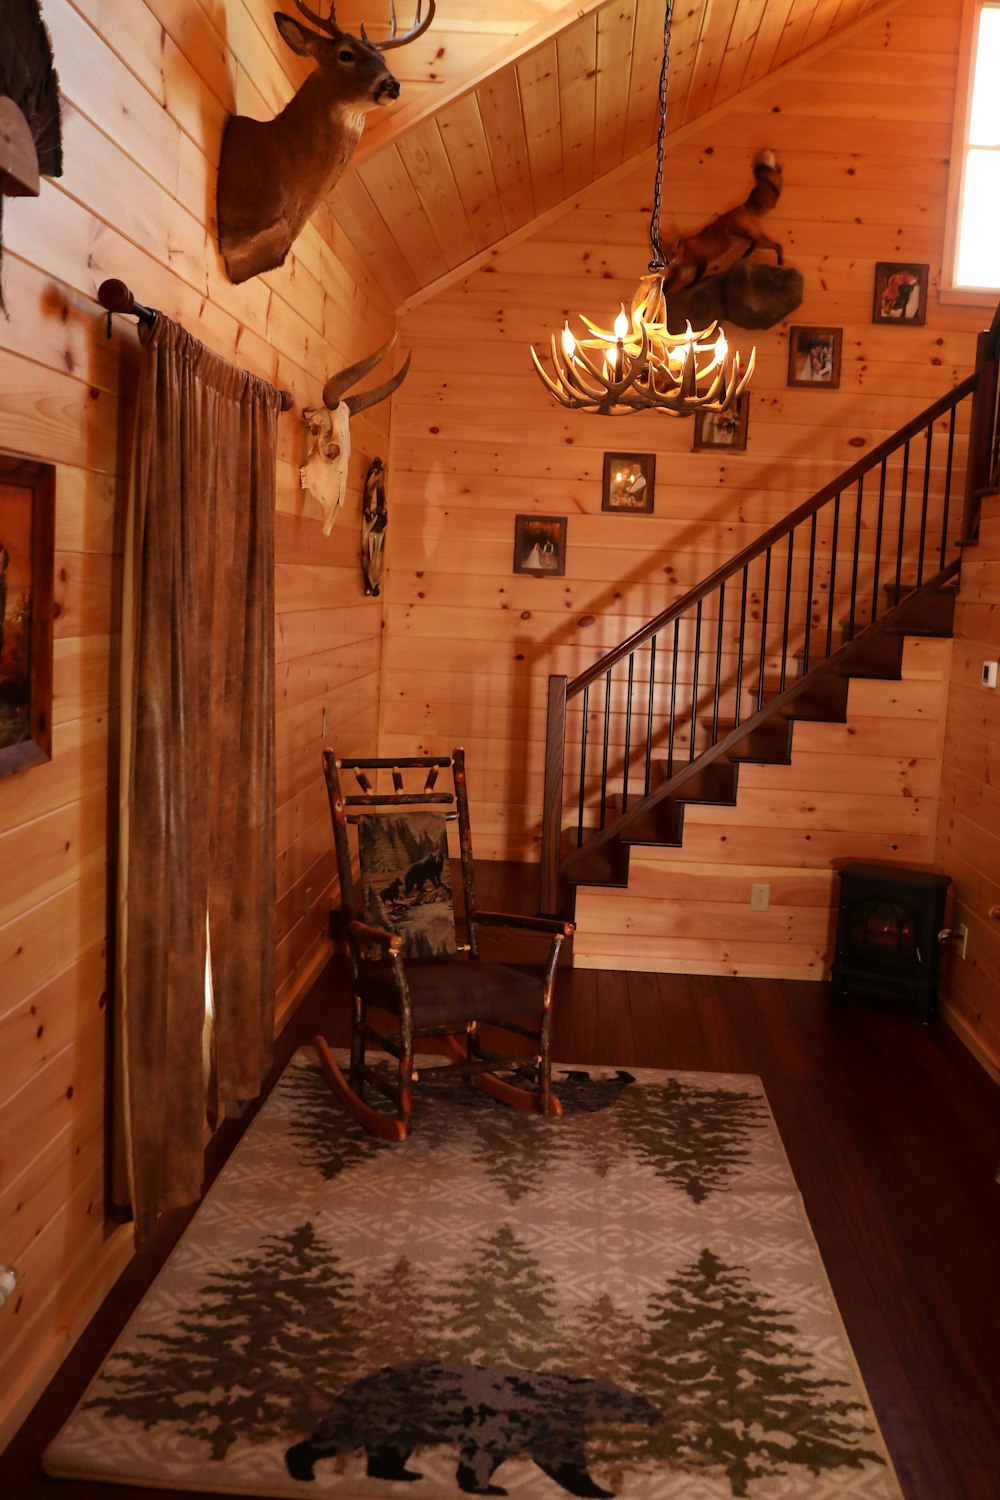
893	1134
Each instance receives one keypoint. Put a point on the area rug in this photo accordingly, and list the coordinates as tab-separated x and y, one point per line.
625	1301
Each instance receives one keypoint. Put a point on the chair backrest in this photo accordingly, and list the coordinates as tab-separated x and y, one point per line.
402	845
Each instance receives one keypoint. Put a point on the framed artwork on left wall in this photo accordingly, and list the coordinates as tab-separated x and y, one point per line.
27	543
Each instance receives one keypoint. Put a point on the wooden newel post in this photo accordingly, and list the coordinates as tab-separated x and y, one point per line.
982	430
555	758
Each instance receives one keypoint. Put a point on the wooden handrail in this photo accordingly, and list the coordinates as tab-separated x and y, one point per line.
774	534
982	474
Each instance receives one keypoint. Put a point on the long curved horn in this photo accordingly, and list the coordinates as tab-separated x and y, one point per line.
338	384
364	399
329	25
417	29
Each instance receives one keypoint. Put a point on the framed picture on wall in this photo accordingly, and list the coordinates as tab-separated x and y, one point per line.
628	483
27	541
814	356
900	292
725	430
540	545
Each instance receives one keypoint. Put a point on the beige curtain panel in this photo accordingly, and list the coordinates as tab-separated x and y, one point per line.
197	861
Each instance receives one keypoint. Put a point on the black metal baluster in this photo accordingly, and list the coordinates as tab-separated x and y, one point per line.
583	769
765	601
947	489
673	701
649	713
834	543
694	678
928	440
718	662
852	615
628	730
902	518
809	593
741	646
878	540
607	732
788	606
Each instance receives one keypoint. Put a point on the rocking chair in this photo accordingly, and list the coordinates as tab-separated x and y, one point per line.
407	964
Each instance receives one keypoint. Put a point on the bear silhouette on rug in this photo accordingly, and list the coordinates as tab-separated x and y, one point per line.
489	1413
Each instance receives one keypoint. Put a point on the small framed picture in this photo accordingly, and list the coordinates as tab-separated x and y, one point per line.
900	293
27	542
814	356
628	483
723	429
540	545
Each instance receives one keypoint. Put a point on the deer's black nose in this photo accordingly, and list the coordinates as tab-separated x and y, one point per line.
387	89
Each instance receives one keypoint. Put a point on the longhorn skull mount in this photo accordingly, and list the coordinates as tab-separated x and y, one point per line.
273	174
324	474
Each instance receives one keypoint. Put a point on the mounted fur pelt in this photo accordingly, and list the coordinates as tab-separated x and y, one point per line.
29	94
739	227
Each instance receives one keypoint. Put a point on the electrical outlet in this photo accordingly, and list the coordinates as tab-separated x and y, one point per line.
963	932
760	897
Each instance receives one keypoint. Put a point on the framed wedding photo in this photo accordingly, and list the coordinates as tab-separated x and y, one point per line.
628	483
27	550
723	430
814	356
540	545
900	293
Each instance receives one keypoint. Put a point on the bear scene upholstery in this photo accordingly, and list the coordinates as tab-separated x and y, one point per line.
413	979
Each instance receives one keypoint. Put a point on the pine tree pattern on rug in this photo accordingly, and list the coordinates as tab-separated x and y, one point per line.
623	1301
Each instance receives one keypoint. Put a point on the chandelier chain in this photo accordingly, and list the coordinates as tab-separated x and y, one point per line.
657	262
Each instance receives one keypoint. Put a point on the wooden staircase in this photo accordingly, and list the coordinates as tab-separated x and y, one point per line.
719	679
660	824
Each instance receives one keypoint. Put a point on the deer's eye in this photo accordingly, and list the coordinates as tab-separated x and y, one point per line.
345	54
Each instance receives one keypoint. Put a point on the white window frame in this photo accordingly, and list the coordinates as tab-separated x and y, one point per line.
951	290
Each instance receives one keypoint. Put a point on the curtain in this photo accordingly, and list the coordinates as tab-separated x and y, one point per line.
197	863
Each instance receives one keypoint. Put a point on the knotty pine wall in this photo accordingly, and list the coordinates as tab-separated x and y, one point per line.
147	88
864	134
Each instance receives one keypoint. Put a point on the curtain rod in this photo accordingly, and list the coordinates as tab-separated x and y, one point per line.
117	298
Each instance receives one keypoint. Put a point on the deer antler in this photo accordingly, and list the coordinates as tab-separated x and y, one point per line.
329	25
417	29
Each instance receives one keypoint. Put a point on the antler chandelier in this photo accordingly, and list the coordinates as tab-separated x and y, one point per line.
639	363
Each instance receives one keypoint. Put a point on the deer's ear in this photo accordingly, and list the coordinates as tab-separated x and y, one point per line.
299	37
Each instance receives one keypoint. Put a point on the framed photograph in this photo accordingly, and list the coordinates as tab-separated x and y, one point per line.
628	483
814	356
723	429
27	541
900	292
540	545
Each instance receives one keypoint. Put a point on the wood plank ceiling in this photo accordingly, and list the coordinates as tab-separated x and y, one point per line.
510	107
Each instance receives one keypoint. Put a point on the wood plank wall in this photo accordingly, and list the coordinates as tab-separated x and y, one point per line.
968	833
864	134
147	86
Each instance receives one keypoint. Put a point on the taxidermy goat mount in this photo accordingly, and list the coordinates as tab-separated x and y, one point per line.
30	136
324	474
274	173
747	293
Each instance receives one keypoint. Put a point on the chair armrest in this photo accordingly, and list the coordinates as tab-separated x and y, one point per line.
362	930
554	926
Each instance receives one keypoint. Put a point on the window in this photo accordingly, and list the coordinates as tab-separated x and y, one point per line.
976	156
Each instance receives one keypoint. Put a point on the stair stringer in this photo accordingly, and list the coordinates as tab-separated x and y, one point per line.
862	789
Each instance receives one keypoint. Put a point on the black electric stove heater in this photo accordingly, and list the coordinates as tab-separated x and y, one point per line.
887	934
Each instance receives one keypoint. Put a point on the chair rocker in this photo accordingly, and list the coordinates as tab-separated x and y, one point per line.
407	965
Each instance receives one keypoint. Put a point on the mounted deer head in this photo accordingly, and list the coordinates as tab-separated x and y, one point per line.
274	173
324	474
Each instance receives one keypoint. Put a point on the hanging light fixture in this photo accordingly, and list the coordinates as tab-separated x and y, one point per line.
639	363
